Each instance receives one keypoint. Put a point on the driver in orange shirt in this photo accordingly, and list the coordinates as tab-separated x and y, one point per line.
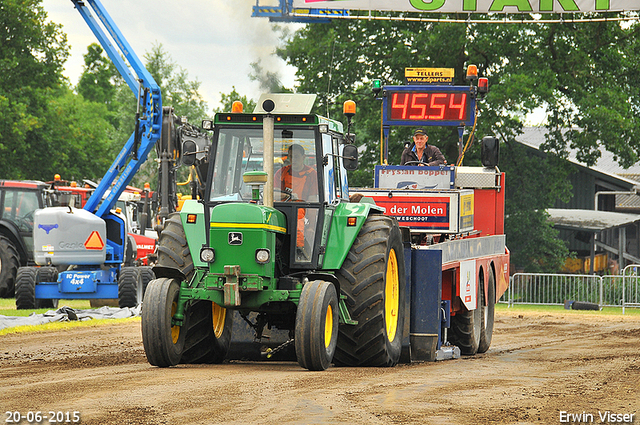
297	181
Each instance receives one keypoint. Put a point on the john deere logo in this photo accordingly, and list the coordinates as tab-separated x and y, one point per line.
235	238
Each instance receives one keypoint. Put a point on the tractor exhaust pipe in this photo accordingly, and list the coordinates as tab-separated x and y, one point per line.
267	134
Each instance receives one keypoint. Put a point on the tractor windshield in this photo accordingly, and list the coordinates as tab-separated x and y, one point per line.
241	149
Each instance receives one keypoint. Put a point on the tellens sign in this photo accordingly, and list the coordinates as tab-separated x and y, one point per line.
477	6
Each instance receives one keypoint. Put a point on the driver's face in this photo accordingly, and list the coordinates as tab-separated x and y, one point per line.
297	160
420	140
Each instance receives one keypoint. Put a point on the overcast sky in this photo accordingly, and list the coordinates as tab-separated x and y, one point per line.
215	41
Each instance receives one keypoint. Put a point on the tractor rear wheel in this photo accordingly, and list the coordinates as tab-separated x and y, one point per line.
466	327
26	288
209	326
46	274
9	263
173	249
209	333
130	291
488	314
163	342
373	280
316	331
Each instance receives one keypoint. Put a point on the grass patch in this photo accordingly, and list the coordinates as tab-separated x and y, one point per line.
8	307
559	309
61	326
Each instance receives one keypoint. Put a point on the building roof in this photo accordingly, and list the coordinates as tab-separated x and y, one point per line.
588	220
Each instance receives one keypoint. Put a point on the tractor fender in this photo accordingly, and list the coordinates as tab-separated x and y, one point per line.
10	231
341	235
327	277
168	272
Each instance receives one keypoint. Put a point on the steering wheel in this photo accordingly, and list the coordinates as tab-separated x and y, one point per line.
416	163
285	195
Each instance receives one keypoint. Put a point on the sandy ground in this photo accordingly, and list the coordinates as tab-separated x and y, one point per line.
539	370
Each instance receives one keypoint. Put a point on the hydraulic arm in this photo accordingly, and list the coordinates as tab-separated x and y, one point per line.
149	107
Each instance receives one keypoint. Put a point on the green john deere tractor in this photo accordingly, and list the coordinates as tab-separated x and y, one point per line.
274	239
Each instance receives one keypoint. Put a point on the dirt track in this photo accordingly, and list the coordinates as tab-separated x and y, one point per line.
537	367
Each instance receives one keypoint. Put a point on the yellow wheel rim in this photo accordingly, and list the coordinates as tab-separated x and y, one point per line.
328	326
219	315
175	330
392	296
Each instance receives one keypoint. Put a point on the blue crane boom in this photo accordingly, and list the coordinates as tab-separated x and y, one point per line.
149	102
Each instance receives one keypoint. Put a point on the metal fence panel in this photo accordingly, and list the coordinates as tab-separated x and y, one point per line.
554	289
630	287
551	289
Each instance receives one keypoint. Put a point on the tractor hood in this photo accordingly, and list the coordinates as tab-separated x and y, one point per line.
248	216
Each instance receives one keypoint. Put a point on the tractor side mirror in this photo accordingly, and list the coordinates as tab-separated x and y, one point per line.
350	157
189	149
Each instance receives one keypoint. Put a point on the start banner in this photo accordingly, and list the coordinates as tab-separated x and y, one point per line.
476	6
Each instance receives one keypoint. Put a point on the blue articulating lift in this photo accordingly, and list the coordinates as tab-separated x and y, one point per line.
88	244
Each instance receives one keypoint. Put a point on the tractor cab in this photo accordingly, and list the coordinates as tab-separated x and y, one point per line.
297	163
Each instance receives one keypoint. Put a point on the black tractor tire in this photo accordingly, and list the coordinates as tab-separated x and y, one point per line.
26	288
316	331
146	276
46	274
9	264
130	252
209	333
163	343
488	313
173	250
466	327
373	280
130	290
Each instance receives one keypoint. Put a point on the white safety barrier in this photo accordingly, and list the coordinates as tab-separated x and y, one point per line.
556	289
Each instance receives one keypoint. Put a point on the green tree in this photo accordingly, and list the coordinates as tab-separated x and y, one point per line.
227	101
75	144
32	53
581	74
177	90
98	80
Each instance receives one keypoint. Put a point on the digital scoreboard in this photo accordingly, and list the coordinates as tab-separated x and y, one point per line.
429	105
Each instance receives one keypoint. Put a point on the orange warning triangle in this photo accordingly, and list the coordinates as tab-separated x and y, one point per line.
94	241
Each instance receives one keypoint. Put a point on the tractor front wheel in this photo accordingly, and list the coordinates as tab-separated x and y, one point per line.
163	341
316	332
208	328
373	280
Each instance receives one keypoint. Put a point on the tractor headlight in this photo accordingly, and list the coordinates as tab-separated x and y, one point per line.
207	255
262	256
